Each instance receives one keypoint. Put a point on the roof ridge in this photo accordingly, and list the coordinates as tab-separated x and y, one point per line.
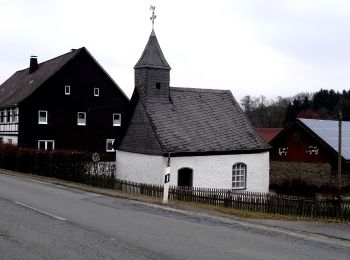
15	85
59	56
188	89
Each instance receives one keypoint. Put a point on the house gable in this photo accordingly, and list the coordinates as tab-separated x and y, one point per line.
23	83
298	143
81	74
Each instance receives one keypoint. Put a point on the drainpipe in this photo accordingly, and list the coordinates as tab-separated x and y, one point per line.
339	156
166	181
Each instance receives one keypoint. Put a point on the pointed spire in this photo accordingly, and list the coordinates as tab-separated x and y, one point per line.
152	56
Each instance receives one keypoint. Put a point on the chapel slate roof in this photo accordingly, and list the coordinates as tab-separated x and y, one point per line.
152	56
22	83
199	121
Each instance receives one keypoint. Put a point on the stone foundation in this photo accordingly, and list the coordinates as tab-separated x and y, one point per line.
318	174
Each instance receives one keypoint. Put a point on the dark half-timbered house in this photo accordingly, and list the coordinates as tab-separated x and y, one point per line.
68	102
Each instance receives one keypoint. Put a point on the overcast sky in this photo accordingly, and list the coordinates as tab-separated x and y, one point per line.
252	47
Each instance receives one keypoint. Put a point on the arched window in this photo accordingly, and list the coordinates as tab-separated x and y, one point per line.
239	176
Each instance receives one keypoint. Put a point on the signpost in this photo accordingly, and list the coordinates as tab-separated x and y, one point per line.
166	185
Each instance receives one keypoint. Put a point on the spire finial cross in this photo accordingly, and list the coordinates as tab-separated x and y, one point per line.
153	17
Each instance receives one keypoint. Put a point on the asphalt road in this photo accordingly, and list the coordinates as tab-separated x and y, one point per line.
44	221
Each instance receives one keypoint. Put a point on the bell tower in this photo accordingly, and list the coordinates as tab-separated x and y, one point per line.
152	71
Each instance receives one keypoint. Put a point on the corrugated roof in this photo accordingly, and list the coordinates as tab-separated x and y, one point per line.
152	56
22	84
328	130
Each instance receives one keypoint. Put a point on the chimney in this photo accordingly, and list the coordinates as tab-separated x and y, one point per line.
33	64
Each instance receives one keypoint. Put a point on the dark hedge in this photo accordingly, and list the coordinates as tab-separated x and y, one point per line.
67	165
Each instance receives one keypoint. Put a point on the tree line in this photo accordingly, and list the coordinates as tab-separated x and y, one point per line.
279	112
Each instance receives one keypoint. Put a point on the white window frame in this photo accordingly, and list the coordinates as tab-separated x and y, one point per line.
81	121
107	142
67	90
117	122
45	121
46	143
239	176
5	117
16	115
96	92
11	115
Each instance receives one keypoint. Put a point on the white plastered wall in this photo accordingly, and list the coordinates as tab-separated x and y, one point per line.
212	171
141	168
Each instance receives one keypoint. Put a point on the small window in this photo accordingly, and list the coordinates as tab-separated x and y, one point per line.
4	116
157	85
9	141
1	140
109	145
81	118
14	115
10	118
42	117
283	151
117	119
46	144
239	176
67	90
96	92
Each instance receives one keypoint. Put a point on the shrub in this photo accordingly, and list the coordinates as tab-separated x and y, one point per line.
63	164
25	159
296	187
8	156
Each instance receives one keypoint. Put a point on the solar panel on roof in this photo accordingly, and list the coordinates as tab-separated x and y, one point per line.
328	131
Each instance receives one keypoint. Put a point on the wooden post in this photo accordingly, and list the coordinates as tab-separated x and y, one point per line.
339	156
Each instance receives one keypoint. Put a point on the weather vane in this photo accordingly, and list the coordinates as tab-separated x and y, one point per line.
152	7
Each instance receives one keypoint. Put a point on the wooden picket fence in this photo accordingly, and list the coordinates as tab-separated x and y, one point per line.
265	202
240	200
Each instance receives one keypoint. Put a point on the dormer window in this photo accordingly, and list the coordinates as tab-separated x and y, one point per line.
96	92
157	85
67	90
81	118
117	119
42	117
